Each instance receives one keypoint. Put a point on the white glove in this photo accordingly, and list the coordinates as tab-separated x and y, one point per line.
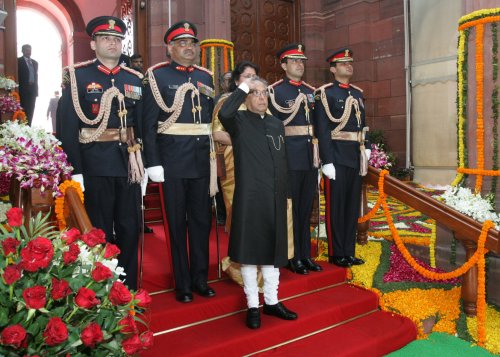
329	171
144	184
155	173
368	153
79	178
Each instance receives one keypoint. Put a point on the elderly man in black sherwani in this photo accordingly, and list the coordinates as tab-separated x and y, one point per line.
259	226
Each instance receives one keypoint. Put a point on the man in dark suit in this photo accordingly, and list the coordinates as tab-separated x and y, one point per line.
52	109
340	116
99	125
178	106
27	69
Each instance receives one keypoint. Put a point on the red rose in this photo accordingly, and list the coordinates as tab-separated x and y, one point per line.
128	324
143	298
37	254
70	236
101	272
35	297
10	245
11	274
13	335
60	289
72	254
55	332
91	335
111	251
85	298
132	345
94	237
147	339
15	217
119	294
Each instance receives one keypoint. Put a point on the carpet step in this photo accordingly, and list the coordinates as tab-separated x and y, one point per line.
167	313
317	310
375	334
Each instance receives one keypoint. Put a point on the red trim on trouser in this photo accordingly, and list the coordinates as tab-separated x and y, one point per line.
329	233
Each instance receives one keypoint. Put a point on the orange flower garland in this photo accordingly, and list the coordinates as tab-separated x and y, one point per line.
478	258
479	104
59	201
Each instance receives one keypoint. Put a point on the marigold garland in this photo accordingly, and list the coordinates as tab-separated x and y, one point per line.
478	258
59	201
479	104
432	246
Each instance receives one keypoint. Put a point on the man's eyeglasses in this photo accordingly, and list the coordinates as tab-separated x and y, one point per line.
185	43
260	93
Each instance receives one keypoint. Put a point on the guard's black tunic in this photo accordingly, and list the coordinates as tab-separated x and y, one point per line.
186	163
259	226
111	202
343	195
302	175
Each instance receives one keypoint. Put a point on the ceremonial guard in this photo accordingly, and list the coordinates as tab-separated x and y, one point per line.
340	117
99	125
292	101
179	101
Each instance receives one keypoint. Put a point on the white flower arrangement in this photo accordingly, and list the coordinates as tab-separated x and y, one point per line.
472	205
7	83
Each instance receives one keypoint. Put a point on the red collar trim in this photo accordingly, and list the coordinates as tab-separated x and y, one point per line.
184	69
343	85
295	83
108	71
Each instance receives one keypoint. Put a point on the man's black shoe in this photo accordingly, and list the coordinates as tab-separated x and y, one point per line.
148	229
355	261
204	290
340	261
279	310
297	267
253	318
183	296
311	265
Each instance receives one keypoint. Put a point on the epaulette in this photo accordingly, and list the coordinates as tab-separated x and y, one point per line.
321	89
356	87
276	83
65	70
203	69
158	65
133	71
308	86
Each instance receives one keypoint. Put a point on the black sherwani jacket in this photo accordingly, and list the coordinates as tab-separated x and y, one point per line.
259	226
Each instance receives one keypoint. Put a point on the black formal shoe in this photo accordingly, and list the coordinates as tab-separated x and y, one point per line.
183	296
355	261
311	265
204	290
148	229
253	318
297	267
340	261
279	310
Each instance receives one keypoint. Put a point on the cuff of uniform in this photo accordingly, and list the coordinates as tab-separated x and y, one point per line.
244	87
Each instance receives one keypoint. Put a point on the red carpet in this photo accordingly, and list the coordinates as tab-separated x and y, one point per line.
335	318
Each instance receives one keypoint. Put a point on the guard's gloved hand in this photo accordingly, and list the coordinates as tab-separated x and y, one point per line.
368	153
79	178
329	171
144	184
155	173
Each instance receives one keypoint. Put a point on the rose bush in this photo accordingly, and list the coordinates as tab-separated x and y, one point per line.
60	294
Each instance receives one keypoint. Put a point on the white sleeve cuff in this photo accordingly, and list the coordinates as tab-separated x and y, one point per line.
244	87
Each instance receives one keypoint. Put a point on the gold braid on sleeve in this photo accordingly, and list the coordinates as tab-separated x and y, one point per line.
176	107
104	108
